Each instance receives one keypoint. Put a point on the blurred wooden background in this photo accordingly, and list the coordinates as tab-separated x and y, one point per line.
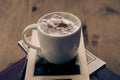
100	21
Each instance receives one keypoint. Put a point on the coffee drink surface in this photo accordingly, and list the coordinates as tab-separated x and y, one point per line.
58	26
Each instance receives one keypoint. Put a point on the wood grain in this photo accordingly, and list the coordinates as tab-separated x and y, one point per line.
13	18
102	19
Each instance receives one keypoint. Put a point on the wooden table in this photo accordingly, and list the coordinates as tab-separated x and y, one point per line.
100	21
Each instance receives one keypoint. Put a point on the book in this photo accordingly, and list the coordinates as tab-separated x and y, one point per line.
85	63
94	63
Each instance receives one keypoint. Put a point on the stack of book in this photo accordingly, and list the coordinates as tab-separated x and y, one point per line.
93	63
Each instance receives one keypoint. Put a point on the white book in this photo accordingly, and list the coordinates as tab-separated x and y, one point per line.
93	62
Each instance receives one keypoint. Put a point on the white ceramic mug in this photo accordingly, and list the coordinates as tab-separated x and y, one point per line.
56	49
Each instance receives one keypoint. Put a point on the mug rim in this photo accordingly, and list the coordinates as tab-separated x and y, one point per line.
38	26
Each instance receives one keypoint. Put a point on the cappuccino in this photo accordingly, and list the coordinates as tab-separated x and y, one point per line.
57	26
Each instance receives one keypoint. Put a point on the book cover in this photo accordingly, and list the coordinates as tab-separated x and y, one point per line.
83	65
93	62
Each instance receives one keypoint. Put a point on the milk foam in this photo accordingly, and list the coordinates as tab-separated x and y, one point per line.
58	26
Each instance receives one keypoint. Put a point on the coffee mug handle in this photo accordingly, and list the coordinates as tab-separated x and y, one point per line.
30	27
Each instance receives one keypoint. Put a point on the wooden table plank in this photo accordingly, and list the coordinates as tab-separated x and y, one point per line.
13	18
